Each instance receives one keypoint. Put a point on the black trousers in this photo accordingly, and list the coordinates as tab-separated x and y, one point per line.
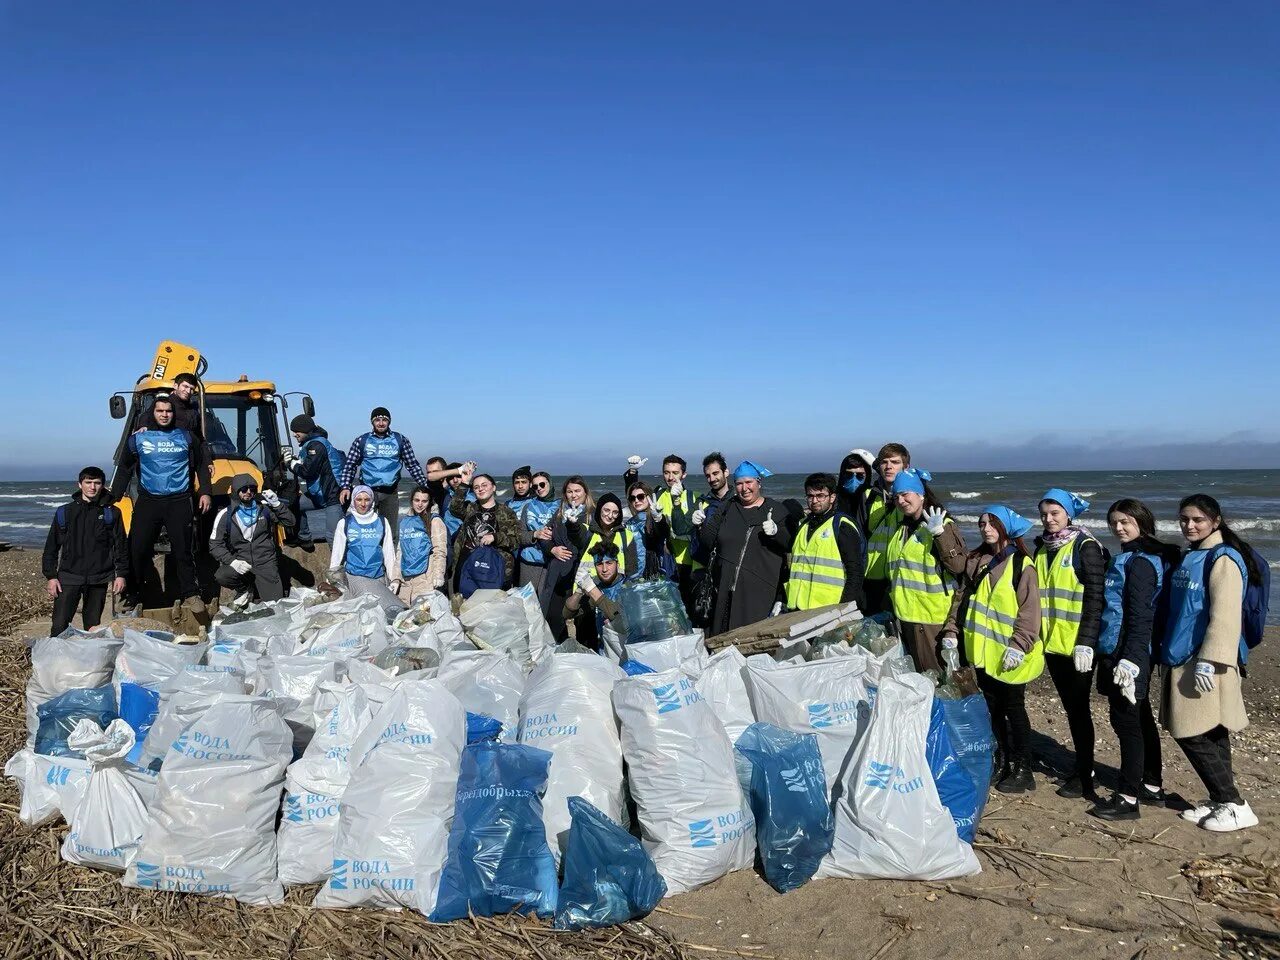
1074	690
1135	727
1007	703
1210	757
877	594
64	605
174	515
264	581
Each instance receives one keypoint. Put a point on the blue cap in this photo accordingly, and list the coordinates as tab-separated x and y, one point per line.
1015	524
750	470
1074	505
911	480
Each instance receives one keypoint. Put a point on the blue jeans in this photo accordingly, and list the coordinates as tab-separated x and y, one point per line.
317	523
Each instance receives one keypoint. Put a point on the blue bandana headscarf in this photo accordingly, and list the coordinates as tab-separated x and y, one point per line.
750	470
1015	525
1070	502
911	480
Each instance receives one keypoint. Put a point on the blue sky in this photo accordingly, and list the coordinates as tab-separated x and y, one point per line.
563	233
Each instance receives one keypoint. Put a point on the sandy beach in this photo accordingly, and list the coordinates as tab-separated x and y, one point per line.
1055	882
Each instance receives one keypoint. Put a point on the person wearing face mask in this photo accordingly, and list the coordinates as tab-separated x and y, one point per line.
423	549
997	612
1132	624
923	557
485	522
826	559
243	541
854	482
750	539
883	518
536	506
1204	644
1071	566
364	554
649	531
377	459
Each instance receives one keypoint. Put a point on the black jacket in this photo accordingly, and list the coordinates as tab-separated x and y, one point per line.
85	549
228	542
1142	617
314	465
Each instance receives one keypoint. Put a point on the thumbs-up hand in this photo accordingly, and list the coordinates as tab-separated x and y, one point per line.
769	528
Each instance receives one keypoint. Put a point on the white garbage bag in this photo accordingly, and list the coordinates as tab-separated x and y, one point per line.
149	658
567	709
613	643
487	682
192	686
541	640
211	826
500	625
723	685
108	822
889	820
393	823
827	697
293	679
74	661
280	622
314	786
686	653
694	820
48	787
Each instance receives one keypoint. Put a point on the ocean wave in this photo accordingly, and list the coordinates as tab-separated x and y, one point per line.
24	496
24	526
1086	493
965	494
1264	524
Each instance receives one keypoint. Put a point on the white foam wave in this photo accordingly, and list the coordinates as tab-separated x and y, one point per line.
1274	564
965	494
24	526
1264	524
23	496
1086	493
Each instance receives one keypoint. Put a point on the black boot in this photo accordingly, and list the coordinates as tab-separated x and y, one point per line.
1076	786
1019	779
1116	807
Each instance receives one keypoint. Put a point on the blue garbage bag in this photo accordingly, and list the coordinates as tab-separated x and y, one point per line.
955	786
499	861
609	878
481	728
634	668
138	708
969	725
791	803
59	716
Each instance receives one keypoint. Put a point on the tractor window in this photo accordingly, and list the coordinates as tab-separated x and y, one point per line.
237	426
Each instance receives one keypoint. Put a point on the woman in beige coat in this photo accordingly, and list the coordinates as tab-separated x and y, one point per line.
1203	703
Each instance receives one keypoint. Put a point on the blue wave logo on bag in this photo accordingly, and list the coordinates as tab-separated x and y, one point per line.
57	776
292	808
879	775
338	877
794	780
181	743
819	714
148	874
667	698
702	834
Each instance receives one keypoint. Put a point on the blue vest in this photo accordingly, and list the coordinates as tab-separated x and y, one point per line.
1188	606
364	548
381	464
535	514
1113	594
164	464
315	489
415	546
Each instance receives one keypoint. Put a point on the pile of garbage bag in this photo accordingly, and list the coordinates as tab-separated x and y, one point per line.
466	764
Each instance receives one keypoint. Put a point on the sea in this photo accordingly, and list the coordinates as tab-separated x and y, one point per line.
1250	501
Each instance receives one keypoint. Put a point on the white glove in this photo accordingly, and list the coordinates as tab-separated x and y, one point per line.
950	643
573	513
289	457
439	582
241	567
435	510
935	518
1204	676
583	578
1083	656
777	608
1013	658
769	528
1125	676
677	488
635	461
699	517
394	586
271	499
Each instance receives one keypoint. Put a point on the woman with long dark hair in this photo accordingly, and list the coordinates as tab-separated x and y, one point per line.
1203	702
1132	622
997	612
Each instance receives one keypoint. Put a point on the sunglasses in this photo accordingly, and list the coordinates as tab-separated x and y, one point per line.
542	486
637	497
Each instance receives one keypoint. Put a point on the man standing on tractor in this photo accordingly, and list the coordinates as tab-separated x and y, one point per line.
172	464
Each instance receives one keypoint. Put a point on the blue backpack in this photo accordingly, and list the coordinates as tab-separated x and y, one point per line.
109	515
484	569
1257	598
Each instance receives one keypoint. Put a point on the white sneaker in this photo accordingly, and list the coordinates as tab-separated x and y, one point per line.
1198	812
1228	817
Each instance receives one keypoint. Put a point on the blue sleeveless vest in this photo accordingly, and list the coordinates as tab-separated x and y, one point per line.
1113	594
315	489
535	514
364	548
381	464
415	546
163	461
1188	606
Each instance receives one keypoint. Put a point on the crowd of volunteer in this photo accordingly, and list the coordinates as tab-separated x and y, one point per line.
1119	617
